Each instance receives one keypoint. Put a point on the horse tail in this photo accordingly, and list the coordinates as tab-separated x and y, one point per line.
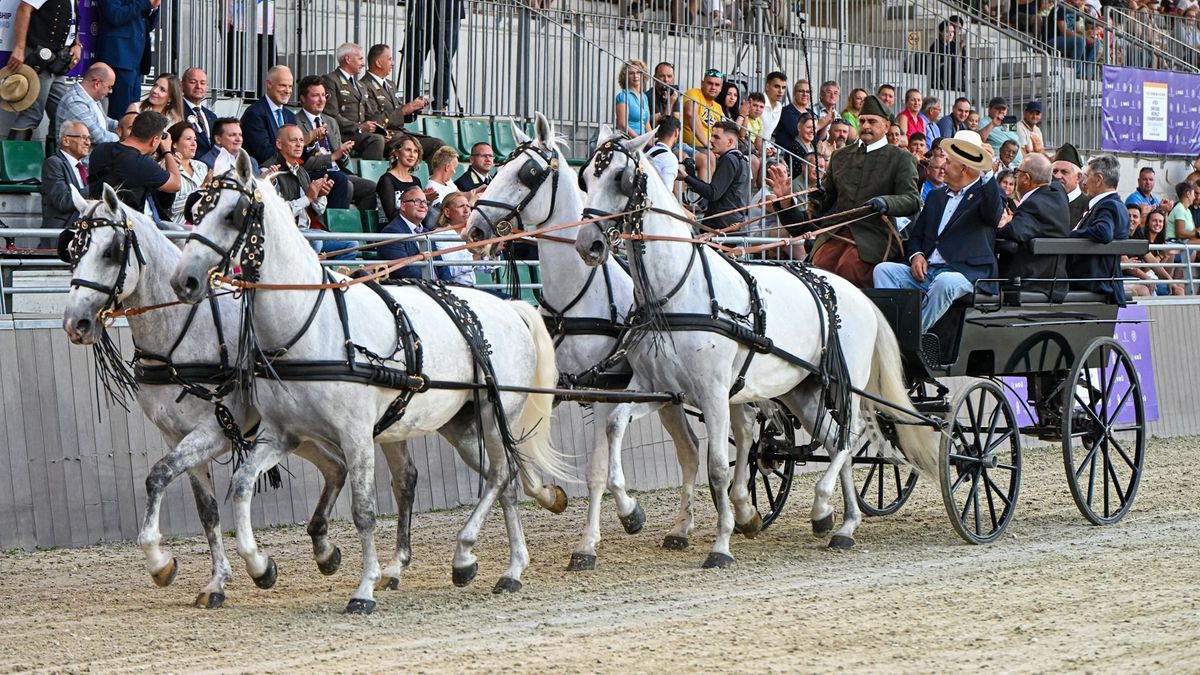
534	423
920	445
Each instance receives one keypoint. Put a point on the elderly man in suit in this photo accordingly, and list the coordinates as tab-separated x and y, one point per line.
1042	212
263	119
62	171
195	88
388	110
349	104
325	152
82	103
1104	220
871	173
1068	170
124	44
951	243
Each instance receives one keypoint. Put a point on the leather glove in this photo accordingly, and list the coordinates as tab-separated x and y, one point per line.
877	203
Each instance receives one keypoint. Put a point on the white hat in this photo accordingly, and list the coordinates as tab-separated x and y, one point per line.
968	149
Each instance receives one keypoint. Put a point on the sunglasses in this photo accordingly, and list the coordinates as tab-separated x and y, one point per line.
713	72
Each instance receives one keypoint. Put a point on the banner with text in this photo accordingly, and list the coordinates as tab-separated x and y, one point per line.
1150	111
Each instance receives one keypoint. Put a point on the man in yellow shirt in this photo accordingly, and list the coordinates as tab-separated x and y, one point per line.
700	112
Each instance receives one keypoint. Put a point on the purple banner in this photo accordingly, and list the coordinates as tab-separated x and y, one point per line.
1150	111
1135	338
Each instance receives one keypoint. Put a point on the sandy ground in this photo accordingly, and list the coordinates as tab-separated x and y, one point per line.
1055	594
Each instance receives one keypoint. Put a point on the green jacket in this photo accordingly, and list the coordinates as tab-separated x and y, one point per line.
853	178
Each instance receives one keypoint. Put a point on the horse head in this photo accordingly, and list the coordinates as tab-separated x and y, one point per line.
228	232
107	263
615	182
530	180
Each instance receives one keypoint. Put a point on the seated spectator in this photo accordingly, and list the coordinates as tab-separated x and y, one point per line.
730	186
227	142
730	99
1066	170
896	137
951	243
1068	24
388	109
1029	134
478	173
325	152
195	89
404	154
994	132
886	94
131	166
1156	234
935	176
166	97
701	111
456	208
909	120
827	108
756	105
192	172
973	121
664	97
1194	176
82	103
1180	224
632	108
305	196
1007	180
839	135
1104	221
916	147
125	124
1007	160
411	210
1136	231
1043	212
854	103
348	103
661	157
806	143
60	172
442	166
264	117
1143	196
789	117
931	113
956	121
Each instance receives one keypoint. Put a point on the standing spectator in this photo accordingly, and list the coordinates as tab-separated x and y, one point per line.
701	111
956	121
632	107
886	94
432	25
1105	220
994	132
388	110
789	117
124	45
325	151
477	175
663	97
775	91
754	123
166	97
730	186
195	89
239	45
131	166
931	112
1043	212
263	119
1143	196
306	196
441	175
909	119
42	27
82	103
227	142
827	107
404	155
60	172
1029	134
660	155
192	172
943	58
347	102
854	103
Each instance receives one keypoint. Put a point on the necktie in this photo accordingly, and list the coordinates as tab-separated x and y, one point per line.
82	173
201	121
324	142
1081	219
279	117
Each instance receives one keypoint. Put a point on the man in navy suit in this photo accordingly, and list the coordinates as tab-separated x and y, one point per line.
413	209
195	89
125	27
1043	212
952	241
262	120
1104	220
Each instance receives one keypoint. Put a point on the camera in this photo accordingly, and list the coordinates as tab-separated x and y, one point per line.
689	165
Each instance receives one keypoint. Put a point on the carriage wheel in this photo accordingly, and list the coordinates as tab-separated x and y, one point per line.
1104	431
1041	353
886	486
772	463
980	463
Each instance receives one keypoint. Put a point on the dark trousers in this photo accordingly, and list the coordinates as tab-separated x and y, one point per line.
126	90
432	26
348	189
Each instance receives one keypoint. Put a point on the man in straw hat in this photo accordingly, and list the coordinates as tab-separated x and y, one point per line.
951	244
45	42
871	173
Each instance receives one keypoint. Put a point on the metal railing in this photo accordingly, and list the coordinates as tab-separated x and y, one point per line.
1156	41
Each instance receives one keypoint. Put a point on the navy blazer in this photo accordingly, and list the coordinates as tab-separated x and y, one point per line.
125	27
404	249
1045	212
203	140
1107	221
968	243
259	127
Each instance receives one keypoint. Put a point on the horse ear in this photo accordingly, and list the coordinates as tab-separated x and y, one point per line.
243	169
604	133
544	131
111	201
519	133
81	204
637	144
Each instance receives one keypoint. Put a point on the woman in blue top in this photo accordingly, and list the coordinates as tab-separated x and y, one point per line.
633	109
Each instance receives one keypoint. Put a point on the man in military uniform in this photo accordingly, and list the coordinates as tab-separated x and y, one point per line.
869	173
348	103
46	38
387	110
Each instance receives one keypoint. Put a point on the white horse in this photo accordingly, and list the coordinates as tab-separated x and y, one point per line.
675	278
244	221
122	258
539	188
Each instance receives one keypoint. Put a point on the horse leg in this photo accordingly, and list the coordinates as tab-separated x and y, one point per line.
716	421
404	489
687	451
629	512
747	518
805	402
211	596
844	538
333	470
584	555
265	454
360	464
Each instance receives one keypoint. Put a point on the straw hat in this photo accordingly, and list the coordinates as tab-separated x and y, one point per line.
968	149
18	90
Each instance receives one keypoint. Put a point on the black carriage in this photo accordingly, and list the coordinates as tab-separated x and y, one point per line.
1081	390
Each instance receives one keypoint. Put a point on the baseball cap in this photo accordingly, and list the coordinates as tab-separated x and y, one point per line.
1033	106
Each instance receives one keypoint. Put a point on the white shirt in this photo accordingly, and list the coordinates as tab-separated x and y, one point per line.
1073	194
952	205
1096	200
665	163
441	189
74	162
770	118
877	144
275	112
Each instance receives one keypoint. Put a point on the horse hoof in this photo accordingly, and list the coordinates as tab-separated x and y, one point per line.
634	521
823	526
560	501
841	542
332	563
581	562
506	585
360	607
210	600
751	529
269	577
166	576
673	542
387	584
717	561
465	575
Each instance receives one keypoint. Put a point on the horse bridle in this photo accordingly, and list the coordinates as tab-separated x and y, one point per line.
532	175
631	183
73	244
247	219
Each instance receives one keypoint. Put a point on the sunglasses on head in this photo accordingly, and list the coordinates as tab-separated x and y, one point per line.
713	72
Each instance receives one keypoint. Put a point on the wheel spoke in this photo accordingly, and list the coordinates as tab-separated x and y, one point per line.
1087	407
1124	455
970	495
975	501
1125	398
1126	428
770	494
971	417
1116	481
1008	433
997	489
991	502
866	488
1089	457
899	483
1091	462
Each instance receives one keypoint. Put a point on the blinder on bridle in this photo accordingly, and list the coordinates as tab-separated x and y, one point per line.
631	183
532	175
74	243
602	158
246	218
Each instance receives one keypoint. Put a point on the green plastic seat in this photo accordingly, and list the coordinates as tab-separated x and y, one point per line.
343	220
21	161
444	129
370	221
416	126
421	173
472	131
352	165
504	140
372	169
